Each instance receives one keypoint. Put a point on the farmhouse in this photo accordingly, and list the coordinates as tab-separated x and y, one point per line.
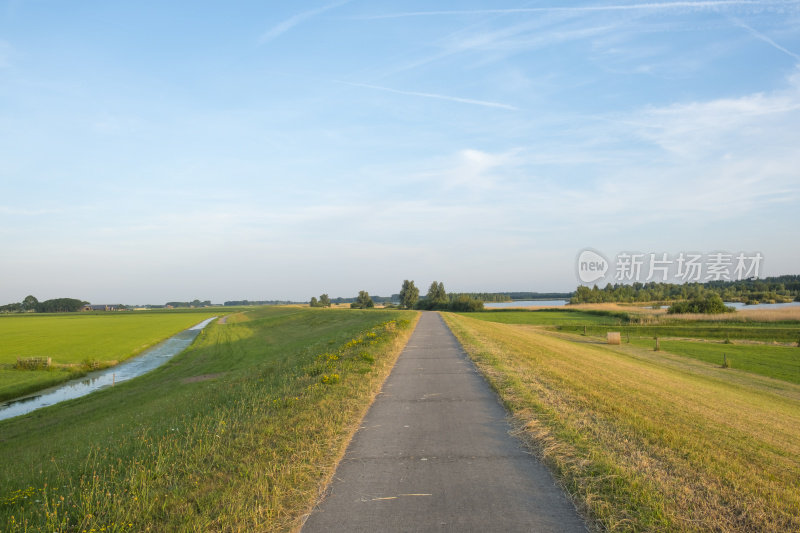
99	308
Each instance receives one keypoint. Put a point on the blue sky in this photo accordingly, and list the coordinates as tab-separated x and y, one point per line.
154	151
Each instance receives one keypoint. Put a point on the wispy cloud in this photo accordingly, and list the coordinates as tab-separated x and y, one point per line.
291	22
651	6
457	99
766	39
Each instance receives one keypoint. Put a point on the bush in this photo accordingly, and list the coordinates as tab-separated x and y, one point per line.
710	303
463	303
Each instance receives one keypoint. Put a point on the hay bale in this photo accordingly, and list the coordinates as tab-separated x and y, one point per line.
614	337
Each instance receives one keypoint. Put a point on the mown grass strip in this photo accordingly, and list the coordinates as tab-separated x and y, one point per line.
643	443
238	433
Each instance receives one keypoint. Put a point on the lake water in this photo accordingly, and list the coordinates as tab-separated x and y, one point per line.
136	366
740	305
524	303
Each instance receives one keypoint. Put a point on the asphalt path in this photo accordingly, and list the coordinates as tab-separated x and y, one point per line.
435	453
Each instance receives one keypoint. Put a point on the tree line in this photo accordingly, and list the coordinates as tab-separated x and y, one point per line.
32	305
778	289
409	298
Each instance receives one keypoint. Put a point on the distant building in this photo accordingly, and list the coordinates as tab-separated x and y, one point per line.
99	308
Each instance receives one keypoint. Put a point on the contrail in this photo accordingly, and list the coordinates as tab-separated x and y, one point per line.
293	21
766	39
582	9
432	95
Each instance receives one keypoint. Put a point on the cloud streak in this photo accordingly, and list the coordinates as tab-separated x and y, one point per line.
757	34
653	6
281	28
457	99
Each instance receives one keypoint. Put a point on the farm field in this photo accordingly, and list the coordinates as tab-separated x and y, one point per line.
644	440
599	322
550	317
237	433
78	340
779	362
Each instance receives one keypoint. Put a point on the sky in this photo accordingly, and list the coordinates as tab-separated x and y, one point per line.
157	151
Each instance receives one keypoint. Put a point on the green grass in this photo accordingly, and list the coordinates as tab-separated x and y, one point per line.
766	332
74	337
238	433
779	362
77	339
551	317
644	440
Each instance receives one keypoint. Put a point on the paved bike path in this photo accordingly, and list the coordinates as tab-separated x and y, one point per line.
434	453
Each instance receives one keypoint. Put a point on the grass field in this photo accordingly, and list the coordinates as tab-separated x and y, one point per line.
644	440
549	317
599	322
75	337
779	362
238	433
81	339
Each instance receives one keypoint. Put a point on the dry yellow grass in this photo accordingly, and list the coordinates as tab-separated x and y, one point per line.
645	442
781	314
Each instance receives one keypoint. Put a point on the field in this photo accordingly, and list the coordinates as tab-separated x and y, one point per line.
652	441
238	433
549	317
779	362
76	340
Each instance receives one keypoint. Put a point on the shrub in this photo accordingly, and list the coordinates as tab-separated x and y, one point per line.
710	303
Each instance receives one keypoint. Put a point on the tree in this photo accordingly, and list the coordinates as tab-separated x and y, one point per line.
29	303
409	294
324	301
363	301
313	302
436	297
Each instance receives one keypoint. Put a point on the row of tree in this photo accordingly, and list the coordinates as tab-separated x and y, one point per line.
56	305
408	298
193	303
324	301
772	290
437	299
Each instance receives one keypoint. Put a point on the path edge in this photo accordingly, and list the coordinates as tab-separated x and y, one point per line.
400	344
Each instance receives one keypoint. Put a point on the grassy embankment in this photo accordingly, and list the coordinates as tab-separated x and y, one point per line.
645	440
78	342
238	433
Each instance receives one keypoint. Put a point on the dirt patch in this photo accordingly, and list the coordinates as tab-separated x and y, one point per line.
204	377
223	320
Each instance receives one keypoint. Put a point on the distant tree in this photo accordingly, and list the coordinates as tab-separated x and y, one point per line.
409	294
60	305
313	302
363	301
29	303
464	302
324	301
436	297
